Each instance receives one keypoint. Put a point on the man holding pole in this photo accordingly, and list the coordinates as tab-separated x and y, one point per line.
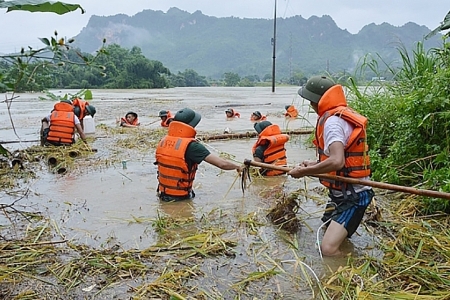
178	155
340	139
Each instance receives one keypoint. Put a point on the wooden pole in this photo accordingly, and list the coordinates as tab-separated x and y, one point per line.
150	123
24	141
381	185
248	134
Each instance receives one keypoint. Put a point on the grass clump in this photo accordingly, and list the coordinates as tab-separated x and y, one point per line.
409	122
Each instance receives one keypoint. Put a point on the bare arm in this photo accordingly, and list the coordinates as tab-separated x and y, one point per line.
129	125
45	124
222	163
81	132
334	162
257	159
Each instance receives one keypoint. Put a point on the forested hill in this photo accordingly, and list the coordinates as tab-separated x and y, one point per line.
212	46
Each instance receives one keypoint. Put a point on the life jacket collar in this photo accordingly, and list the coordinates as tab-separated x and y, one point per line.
180	129
332	98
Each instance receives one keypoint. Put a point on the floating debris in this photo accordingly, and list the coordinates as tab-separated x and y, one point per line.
284	213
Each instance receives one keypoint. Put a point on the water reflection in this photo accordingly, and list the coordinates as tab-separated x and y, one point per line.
99	202
268	188
179	209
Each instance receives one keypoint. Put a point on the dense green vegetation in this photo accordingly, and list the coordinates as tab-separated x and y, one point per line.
409	122
118	68
121	68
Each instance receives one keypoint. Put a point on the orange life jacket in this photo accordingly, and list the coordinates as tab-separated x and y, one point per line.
254	118
175	177
82	105
234	114
124	120
62	124
357	161
275	152
291	112
168	120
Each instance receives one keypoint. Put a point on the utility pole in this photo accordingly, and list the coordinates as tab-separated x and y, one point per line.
290	57
274	43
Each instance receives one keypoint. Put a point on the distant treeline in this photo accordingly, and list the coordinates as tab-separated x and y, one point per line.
120	68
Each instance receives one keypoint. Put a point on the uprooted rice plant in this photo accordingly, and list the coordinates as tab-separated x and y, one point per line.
174	268
222	256
414	264
245	254
140	139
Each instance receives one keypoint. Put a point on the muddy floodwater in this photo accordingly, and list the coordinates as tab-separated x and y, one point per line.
107	199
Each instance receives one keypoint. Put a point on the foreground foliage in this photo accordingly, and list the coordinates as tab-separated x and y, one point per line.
56	7
415	263
409	121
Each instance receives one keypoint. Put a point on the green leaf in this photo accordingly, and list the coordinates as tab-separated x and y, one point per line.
57	7
45	41
444	26
3	151
88	95
441	158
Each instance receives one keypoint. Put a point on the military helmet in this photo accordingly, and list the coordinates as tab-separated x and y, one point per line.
131	113
188	116
163	113
315	87
91	110
259	127
257	114
67	101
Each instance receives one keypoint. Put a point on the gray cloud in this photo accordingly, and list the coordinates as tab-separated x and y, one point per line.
23	28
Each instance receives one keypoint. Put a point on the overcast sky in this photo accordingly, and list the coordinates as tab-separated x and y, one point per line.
20	29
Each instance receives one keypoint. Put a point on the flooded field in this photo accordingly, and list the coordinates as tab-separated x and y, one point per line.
106	201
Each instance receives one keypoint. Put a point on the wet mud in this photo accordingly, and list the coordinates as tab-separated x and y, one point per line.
107	199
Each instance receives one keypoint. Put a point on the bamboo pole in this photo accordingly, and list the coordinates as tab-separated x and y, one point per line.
248	134
150	123
381	185
24	141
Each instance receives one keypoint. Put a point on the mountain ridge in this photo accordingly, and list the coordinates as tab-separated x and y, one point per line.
212	45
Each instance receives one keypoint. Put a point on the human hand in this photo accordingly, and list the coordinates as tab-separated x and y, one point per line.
308	163
298	171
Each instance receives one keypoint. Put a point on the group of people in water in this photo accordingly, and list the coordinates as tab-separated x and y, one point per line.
131	119
257	116
66	118
340	137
